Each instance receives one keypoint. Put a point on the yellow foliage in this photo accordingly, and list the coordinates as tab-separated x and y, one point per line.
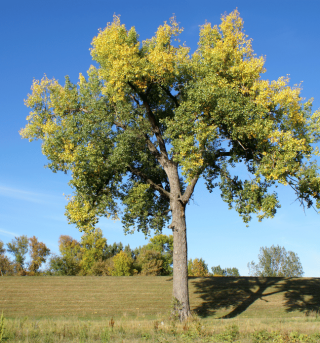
121	59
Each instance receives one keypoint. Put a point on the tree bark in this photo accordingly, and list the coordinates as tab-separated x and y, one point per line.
180	261
180	251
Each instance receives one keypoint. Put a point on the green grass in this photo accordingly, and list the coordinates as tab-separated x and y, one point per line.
74	309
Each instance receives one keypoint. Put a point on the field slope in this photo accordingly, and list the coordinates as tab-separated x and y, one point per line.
214	297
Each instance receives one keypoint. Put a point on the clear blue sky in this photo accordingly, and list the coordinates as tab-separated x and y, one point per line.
53	37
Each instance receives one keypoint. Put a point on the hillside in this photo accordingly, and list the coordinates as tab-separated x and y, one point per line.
215	297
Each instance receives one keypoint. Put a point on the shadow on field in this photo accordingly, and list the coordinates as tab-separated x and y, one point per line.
238	293
303	295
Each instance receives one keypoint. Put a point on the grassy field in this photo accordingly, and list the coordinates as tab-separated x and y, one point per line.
225	308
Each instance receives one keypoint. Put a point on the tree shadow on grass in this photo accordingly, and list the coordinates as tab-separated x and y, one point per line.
238	293
303	295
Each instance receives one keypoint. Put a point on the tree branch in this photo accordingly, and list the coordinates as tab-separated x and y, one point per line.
190	188
172	97
153	122
154	151
152	148
162	214
188	192
137	172
122	126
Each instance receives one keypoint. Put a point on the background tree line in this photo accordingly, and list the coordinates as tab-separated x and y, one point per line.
93	256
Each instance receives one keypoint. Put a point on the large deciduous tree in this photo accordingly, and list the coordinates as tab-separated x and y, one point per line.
152	119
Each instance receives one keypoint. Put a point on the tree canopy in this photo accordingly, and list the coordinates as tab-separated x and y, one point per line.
38	254
276	261
197	267
152	118
19	248
218	271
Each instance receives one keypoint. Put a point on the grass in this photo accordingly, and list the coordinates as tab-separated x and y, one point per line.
74	309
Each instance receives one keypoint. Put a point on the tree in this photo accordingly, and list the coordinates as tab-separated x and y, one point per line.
276	262
122	265
69	261
38	254
197	267
103	267
2	248
150	262
6	266
152	119
112	250
19	248
218	271
164	245
93	246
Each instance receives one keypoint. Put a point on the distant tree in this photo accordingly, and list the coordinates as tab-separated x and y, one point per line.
218	271
68	246
68	263
161	243
232	272
19	248
122	265
2	248
38	253
164	245
276	261
150	262
197	267
103	267
6	266
112	250
93	248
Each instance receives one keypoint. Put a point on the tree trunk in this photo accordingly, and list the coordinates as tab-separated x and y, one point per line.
180	261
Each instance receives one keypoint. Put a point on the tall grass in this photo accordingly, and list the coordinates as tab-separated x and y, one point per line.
2	327
49	330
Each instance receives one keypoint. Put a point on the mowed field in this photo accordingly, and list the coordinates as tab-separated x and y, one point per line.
151	297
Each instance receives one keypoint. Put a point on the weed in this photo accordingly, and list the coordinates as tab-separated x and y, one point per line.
83	334
185	327
173	327
199	329
146	335
156	326
105	336
176	308
111	323
121	331
2	327
22	322
230	334
261	336
48	338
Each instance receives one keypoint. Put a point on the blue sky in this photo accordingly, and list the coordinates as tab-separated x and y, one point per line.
53	37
